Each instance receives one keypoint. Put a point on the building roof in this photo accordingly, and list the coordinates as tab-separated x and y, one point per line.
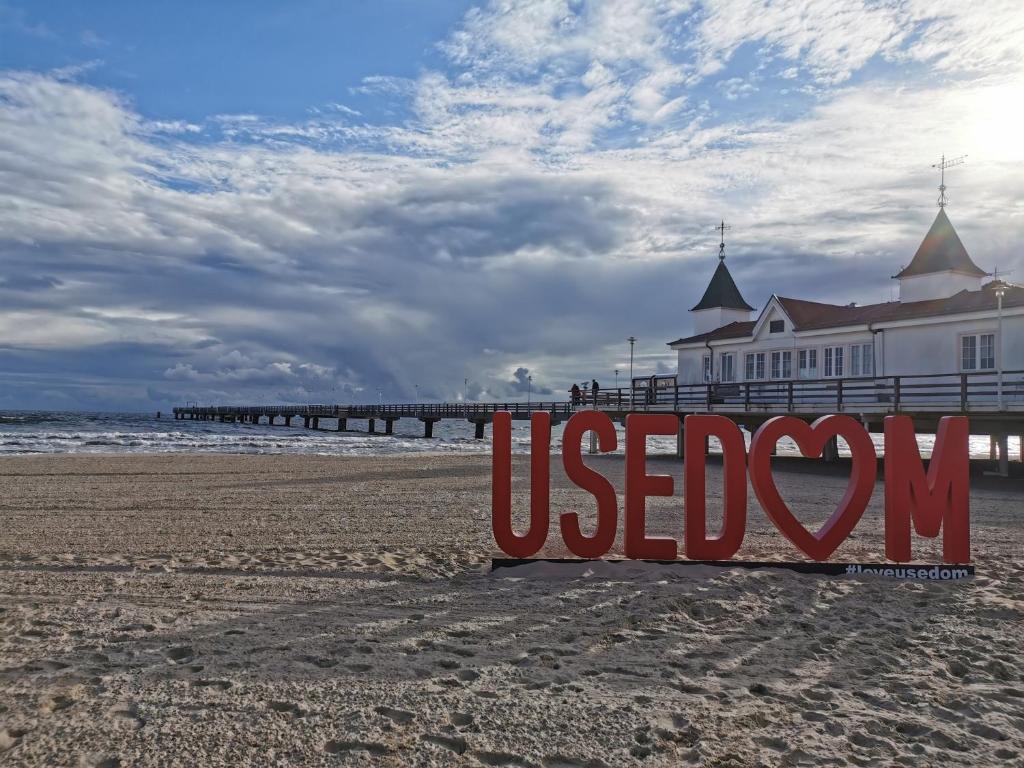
722	292
941	251
814	315
736	330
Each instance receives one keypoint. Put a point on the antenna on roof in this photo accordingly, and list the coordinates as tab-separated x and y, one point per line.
942	165
721	246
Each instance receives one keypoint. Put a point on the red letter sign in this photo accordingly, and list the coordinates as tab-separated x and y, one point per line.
940	500
640	485
607	506
811	439
696	430
501	487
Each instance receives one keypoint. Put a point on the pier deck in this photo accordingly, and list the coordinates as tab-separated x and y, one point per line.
994	402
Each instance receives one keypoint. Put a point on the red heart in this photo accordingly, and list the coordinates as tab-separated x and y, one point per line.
811	439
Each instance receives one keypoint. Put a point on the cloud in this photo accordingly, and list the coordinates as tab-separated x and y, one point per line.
550	191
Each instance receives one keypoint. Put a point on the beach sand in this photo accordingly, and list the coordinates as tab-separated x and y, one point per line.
202	610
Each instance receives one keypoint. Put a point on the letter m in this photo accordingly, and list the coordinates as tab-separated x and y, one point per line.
938	500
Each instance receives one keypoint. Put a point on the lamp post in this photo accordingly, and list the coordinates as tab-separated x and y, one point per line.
1000	291
529	389
616	378
417	388
465	383
632	341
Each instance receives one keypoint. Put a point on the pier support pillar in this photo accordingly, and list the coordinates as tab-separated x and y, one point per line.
342	423
993	449
428	426
371	425
287	421
389	426
305	422
478	431
316	422
1003	443
830	451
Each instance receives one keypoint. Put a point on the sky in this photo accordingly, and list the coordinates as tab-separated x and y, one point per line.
315	201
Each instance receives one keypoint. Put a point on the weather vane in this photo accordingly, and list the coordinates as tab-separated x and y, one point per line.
721	246
942	165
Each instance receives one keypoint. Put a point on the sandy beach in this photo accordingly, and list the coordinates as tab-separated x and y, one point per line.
273	610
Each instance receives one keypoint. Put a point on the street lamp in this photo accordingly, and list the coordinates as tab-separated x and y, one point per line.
465	383
1000	291
632	341
616	378
529	389
417	388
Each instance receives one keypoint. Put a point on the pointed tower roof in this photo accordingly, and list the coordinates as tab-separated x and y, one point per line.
941	251
722	292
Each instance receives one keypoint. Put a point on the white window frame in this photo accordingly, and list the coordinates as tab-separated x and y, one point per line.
727	373
754	361
976	359
867	359
833	362
781	364
808	371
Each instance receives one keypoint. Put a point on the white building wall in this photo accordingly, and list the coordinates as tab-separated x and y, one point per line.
936	285
935	347
705	320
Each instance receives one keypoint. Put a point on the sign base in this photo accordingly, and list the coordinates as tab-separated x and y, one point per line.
903	571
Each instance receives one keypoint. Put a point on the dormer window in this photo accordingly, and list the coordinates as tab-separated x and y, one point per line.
776	326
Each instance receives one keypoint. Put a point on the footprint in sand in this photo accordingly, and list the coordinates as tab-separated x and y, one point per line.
10	738
460	719
221	685
180	654
126	714
337	747
467	675
288	708
561	761
456	744
499	758
398	716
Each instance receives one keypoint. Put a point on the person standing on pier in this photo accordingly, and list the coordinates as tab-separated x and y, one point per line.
593	388
575	392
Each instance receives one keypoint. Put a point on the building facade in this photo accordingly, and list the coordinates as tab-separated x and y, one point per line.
951	318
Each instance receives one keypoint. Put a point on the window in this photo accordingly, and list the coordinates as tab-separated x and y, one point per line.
776	326
978	352
833	362
807	360
754	366
861	359
987	350
867	359
728	366
707	367
782	364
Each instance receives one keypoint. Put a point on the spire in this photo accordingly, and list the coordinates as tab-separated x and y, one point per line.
721	246
722	291
942	165
941	251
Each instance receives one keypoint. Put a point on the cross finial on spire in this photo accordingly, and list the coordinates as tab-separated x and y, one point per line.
942	165
721	246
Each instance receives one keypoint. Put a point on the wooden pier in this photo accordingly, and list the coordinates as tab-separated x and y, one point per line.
994	403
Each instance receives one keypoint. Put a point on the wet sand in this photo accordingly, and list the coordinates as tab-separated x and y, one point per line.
292	610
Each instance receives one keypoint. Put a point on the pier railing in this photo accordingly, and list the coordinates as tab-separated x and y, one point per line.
980	392
943	392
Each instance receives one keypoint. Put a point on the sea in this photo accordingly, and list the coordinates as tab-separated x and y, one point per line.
51	432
